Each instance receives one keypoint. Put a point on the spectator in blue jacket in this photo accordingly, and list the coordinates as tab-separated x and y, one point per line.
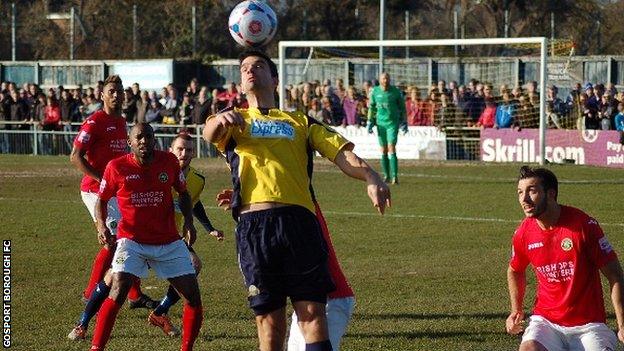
506	111
619	118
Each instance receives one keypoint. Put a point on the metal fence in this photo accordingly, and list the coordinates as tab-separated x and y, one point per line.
27	138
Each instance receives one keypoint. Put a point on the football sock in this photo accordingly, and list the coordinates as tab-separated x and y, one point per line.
394	165
319	346
191	322
99	294
384	165
135	290
169	300
101	264
104	323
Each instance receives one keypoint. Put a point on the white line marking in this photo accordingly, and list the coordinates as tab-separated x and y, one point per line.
350	213
499	179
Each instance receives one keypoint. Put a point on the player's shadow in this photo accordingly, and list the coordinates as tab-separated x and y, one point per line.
429	316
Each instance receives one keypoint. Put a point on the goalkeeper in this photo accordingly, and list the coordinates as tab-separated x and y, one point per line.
387	112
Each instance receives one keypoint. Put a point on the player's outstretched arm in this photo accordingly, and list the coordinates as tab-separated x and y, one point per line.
613	272
101	212
516	282
355	167
186	206
217	125
200	214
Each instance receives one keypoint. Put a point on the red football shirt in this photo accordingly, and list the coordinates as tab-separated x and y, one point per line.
144	196
103	137
343	289
566	261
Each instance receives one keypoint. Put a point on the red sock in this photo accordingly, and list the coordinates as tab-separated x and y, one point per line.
135	290
104	324
101	264
191	322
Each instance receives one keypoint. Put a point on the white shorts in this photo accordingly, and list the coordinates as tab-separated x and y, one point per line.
338	312
588	337
114	216
168	261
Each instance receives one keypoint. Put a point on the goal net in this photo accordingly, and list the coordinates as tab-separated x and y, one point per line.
452	87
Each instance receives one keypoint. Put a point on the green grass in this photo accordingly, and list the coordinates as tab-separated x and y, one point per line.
430	275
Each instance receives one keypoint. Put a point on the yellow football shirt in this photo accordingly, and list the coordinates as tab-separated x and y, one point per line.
271	156
194	185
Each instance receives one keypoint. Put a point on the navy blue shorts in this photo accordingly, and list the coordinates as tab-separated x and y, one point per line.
282	253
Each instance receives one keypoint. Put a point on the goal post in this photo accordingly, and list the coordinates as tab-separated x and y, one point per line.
541	41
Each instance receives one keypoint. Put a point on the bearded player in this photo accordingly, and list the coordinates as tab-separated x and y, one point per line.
568	251
387	112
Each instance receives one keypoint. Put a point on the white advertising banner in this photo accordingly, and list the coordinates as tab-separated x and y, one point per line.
420	143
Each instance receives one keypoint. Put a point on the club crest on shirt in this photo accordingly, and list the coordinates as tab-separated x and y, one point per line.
163	177
272	129
566	244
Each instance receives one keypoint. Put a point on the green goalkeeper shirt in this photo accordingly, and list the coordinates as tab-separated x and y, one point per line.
386	107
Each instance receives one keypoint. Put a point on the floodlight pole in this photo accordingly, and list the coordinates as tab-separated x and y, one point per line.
543	79
281	75
382	7
407	26
13	29
134	31
71	33
194	25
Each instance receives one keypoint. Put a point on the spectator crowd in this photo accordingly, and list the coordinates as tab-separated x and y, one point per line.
476	104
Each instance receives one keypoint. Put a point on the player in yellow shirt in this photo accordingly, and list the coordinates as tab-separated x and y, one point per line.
280	245
183	148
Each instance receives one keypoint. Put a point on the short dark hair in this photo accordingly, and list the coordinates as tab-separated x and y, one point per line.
115	79
259	53
547	178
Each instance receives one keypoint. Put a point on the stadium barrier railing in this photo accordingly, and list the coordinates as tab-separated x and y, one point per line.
461	143
26	137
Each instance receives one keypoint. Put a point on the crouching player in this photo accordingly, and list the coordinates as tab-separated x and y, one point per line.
340	302
568	251
147	234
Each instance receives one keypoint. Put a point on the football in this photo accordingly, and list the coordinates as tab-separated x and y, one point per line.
252	23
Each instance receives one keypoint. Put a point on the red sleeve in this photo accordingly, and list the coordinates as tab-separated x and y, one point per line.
86	136
108	185
519	260
179	184
599	249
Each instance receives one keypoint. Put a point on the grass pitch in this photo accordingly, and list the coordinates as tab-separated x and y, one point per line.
429	275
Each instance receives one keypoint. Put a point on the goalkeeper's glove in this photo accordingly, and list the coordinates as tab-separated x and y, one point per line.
403	127
369	127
